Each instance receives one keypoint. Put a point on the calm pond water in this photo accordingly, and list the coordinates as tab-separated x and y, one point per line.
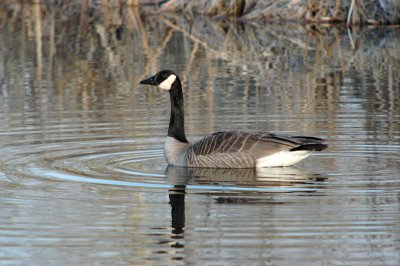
82	174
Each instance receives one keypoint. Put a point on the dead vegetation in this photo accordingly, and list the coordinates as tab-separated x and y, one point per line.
310	61
350	12
134	45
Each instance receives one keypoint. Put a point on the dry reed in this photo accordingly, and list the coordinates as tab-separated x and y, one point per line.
315	11
267	54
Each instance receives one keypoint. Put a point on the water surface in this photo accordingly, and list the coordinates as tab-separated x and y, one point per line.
82	174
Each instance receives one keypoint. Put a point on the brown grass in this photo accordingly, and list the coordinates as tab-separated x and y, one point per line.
262	55
314	11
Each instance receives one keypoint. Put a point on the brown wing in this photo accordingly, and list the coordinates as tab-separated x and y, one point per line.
233	142
240	149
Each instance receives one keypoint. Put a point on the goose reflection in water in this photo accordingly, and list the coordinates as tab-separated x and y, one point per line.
252	179
182	179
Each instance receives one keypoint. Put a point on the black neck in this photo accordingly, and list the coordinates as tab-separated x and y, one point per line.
176	123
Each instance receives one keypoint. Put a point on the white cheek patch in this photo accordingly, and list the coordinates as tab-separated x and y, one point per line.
166	84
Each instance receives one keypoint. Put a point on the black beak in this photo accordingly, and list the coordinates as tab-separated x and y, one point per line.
150	81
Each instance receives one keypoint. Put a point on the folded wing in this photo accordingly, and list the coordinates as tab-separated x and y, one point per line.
242	150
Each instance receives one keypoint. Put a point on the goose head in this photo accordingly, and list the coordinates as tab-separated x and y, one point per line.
163	79
168	80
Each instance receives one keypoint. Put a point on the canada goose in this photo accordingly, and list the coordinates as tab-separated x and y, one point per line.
226	149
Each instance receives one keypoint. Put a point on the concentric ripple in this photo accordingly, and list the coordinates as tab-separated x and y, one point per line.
111	160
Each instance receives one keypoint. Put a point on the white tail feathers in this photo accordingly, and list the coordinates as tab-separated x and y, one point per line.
282	158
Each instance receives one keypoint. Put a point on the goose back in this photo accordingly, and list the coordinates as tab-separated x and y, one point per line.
245	150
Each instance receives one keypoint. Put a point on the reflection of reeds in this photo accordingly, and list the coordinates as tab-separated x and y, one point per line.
130	46
38	39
